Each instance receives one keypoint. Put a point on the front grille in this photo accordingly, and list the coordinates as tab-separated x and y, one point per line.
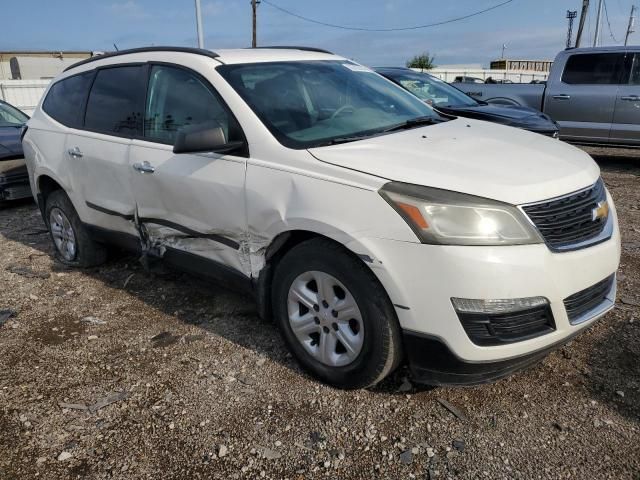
499	329
580	303
568	220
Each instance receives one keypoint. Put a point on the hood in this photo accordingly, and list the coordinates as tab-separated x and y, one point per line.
470	156
10	144
522	117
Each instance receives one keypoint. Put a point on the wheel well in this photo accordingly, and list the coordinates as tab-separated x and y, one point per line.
46	185
503	101
278	248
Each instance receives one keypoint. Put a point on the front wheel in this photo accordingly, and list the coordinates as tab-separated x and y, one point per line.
335	316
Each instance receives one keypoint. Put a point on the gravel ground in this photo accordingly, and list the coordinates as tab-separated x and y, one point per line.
120	373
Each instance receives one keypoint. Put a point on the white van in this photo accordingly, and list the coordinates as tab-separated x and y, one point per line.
370	227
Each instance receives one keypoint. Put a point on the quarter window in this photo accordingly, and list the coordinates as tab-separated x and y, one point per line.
65	100
178	98
116	101
594	69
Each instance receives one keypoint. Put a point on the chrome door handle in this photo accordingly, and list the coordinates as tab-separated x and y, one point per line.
75	152
562	97
144	167
631	98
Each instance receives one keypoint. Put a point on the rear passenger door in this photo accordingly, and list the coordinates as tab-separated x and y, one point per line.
191	206
98	155
583	100
625	128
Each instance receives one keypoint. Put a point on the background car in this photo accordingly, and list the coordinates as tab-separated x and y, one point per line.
452	101
465	79
14	179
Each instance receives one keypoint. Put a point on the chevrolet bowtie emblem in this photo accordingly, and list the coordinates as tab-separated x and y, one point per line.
601	211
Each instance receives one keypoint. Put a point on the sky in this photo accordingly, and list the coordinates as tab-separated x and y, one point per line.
531	29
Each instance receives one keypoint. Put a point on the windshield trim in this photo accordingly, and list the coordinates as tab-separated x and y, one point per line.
294	144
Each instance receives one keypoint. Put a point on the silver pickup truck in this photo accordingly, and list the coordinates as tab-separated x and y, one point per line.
593	94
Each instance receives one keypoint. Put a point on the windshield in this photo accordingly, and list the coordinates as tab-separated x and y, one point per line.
313	103
431	89
11	116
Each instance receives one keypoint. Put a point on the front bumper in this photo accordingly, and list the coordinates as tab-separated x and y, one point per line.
421	280
433	363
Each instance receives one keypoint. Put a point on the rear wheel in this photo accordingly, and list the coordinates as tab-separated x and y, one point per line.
335	316
72	243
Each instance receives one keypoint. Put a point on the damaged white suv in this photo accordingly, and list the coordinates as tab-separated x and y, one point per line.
369	226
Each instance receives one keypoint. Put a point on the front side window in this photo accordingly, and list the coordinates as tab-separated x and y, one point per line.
11	117
178	98
312	103
116	101
594	69
65	100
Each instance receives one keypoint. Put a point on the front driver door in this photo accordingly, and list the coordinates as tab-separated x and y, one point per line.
190	207
583	99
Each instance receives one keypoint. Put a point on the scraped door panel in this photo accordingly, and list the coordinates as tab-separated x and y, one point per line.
191	202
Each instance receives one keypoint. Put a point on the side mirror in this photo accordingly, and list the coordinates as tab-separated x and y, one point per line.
204	137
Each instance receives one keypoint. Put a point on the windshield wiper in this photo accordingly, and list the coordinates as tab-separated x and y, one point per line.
414	122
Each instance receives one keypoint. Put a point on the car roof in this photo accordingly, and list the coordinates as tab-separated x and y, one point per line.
225	56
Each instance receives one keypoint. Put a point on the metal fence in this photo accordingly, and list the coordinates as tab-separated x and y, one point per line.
24	94
516	76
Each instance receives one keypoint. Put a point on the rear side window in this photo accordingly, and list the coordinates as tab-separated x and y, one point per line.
594	69
65	100
116	101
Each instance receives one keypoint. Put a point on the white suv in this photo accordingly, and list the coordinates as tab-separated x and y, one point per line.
370	227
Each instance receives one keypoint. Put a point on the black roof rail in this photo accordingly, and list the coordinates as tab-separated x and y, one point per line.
305	49
197	51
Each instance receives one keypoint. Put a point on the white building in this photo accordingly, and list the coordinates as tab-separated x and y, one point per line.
34	65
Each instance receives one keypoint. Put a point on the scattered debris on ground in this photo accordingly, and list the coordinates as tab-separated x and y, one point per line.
182	380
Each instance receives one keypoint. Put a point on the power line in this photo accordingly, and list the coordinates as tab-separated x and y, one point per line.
365	29
606	15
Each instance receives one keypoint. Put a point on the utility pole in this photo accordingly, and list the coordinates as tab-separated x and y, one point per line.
583	17
596	37
199	24
571	15
632	22
254	8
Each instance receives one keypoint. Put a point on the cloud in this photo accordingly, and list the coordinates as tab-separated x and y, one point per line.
129	9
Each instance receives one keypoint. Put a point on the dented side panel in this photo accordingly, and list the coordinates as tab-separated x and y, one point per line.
192	202
316	199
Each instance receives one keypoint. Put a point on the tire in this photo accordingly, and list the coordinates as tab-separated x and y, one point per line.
370	357
86	252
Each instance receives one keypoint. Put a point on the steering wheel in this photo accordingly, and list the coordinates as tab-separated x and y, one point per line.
342	109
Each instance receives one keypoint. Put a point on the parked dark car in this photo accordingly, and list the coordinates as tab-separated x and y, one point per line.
452	101
14	179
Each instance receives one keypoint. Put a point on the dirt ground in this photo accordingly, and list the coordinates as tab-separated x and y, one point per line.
119	373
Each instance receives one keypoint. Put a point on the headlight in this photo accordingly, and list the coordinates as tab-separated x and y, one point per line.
448	218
